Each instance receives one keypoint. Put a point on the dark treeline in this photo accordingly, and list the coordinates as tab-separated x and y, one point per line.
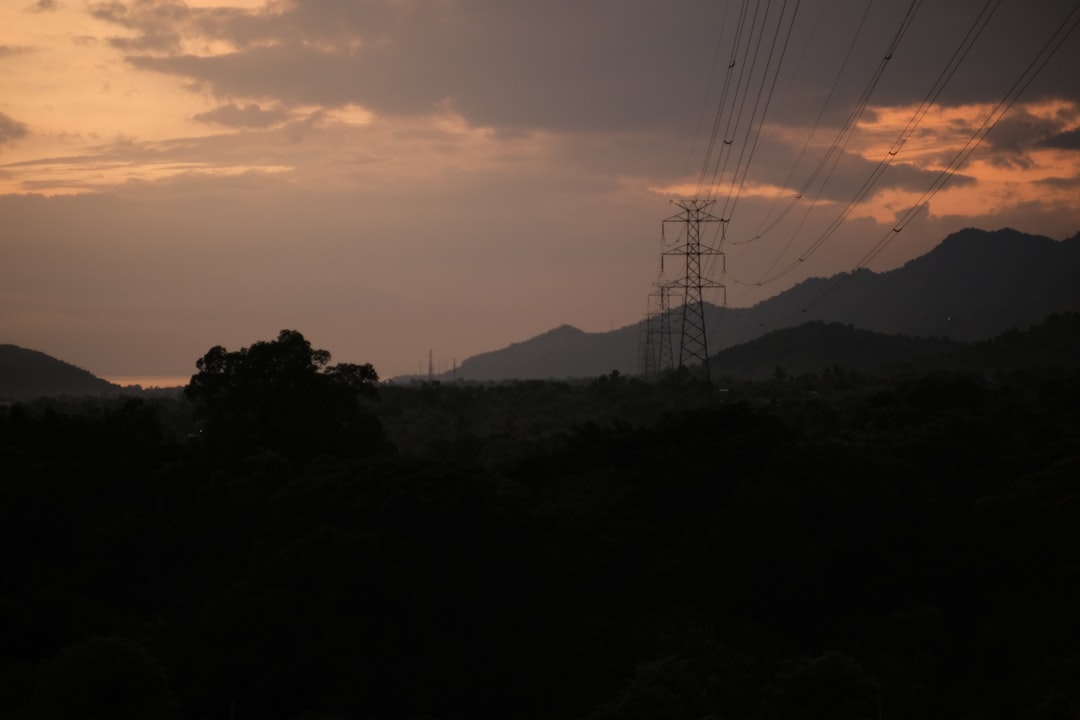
821	546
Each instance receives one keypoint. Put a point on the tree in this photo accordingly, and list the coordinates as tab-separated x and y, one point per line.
283	395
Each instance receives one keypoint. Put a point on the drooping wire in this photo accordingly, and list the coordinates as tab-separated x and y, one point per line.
720	113
843	137
939	84
762	227
1067	27
734	194
1030	72
705	101
836	150
766	87
734	116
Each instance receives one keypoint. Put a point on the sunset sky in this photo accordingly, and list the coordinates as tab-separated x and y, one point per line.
389	176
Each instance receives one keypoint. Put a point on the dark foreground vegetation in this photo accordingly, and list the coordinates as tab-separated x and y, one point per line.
285	542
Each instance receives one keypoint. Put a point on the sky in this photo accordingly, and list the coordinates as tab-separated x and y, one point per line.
394	176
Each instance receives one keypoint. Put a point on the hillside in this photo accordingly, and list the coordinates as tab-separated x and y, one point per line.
974	285
816	346
1053	344
28	374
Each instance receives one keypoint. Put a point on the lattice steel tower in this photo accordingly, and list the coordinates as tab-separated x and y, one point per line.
657	357
693	345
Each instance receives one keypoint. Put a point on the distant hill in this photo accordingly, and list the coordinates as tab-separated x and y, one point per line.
974	285
28	374
559	353
815	346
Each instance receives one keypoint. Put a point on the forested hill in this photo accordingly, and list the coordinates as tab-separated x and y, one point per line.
974	285
27	374
560	353
817	347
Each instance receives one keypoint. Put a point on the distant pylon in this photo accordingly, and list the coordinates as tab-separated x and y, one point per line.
693	343
666	358
656	356
646	357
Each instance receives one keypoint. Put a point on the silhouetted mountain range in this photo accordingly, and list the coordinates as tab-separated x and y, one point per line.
974	285
28	374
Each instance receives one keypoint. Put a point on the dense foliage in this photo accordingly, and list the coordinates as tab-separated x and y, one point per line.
283	395
828	546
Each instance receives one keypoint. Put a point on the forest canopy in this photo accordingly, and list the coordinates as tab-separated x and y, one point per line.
829	545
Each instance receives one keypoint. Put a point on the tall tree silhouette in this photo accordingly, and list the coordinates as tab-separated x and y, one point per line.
283	395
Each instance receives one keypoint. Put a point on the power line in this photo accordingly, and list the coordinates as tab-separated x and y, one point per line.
939	84
1030	72
762	227
843	137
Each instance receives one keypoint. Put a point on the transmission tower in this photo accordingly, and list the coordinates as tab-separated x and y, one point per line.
656	354
646	357
693	344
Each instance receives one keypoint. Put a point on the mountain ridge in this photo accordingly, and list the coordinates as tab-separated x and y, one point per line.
27	374
973	285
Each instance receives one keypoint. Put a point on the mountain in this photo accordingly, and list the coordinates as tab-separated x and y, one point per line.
28	374
974	285
559	353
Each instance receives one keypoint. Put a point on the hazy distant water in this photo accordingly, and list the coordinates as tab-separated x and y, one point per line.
149	381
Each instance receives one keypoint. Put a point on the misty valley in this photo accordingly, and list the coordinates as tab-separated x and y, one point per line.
287	538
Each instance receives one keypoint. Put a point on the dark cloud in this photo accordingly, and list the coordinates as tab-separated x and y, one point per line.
608	65
10	129
1059	182
1019	131
159	25
293	75
850	177
249	116
44	6
559	65
114	12
1010	41
1068	140
298	130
